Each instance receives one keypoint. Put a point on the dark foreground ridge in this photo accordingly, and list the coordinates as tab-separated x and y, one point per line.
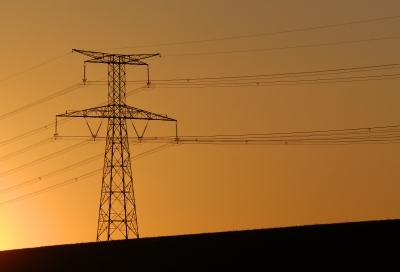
333	247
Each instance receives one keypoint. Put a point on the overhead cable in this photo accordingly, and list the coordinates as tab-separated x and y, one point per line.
42	100
52	125
36	66
51	174
259	34
81	177
281	48
272	75
44	158
25	149
373	135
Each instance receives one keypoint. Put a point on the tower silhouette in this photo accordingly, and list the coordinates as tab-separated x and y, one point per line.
117	212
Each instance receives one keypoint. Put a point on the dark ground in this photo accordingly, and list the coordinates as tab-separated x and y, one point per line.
345	246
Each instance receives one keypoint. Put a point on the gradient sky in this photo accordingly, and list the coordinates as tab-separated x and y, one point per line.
201	188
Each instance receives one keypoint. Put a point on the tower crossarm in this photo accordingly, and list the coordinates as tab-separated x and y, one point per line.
117	111
131	59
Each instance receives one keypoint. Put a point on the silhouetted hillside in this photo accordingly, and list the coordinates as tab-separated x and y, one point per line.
332	247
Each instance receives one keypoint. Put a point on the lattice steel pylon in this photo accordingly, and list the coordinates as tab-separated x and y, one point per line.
117	213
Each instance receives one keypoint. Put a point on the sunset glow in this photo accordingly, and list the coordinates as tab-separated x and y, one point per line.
207	45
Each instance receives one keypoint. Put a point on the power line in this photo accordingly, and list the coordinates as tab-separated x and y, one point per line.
74	87
345	130
47	157
281	48
25	149
50	188
81	177
369	135
34	67
256	80
386	139
260	34
52	125
42	100
72	166
47	98
276	83
260	80
276	75
387	134
190	81
379	135
27	134
51	174
363	135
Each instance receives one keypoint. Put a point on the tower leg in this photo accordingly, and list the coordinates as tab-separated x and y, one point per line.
117	214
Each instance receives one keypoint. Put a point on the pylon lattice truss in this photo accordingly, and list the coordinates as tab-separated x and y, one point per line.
117	213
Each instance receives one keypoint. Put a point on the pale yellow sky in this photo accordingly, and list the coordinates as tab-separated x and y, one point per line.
201	188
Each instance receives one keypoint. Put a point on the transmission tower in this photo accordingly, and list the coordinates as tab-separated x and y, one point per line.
117	213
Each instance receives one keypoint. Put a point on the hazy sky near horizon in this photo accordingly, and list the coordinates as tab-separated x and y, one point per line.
200	188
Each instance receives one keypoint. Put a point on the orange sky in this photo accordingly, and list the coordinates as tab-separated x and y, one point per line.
201	188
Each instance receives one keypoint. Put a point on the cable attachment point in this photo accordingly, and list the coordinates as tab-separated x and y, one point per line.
140	138
176	133
94	135
84	73
55	132
148	76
